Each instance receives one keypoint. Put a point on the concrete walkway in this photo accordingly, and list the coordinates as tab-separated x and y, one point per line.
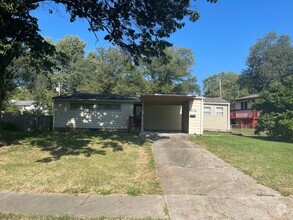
199	185
196	185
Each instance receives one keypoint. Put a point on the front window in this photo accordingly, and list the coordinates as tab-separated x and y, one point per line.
88	106
207	111
219	111
108	106
81	106
75	106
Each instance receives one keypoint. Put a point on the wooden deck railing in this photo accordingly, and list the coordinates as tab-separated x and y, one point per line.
242	114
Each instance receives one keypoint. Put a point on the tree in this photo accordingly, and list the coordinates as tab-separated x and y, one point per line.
229	86
171	73
34	79
69	51
138	27
22	93
19	33
40	79
109	71
276	105
270	60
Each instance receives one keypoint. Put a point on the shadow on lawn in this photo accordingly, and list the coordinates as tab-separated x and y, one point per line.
60	144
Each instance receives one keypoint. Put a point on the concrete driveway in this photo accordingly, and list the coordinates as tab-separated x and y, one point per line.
199	185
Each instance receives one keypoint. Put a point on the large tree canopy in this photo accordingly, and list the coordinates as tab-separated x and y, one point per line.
276	105
139	27
270	60
106	70
171	73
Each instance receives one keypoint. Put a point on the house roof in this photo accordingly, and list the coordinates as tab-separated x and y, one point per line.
23	103
254	96
90	96
167	99
214	100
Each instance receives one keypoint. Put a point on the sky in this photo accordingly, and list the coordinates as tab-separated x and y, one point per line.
220	39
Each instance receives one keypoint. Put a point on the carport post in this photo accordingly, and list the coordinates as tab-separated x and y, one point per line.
142	117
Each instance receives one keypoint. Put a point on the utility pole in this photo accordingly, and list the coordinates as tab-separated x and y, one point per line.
58	89
220	85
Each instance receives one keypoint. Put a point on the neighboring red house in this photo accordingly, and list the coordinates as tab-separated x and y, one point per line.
244	115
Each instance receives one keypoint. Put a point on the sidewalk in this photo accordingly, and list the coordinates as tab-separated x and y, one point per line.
175	207
84	205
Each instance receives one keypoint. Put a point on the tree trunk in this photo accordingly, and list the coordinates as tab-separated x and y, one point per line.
2	72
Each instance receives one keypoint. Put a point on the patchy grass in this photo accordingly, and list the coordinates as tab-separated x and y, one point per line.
269	162
244	131
247	132
9	216
77	163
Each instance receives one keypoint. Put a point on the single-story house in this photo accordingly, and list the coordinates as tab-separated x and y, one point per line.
152	112
216	114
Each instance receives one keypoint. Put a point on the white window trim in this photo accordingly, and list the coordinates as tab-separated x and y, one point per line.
221	111
207	113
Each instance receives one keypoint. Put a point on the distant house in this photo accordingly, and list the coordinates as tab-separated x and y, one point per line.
244	115
24	105
151	112
27	106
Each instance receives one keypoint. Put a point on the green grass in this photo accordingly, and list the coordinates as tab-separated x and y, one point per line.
269	162
10	216
244	131
76	163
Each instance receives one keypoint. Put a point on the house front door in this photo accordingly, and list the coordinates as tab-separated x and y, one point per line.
137	114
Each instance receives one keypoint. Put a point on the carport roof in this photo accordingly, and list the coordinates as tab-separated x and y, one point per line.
167	99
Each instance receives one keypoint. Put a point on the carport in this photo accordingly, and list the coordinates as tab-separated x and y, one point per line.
170	113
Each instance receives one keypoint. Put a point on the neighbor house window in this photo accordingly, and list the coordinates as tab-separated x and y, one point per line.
88	106
207	111
219	111
109	106
243	105
75	106
79	106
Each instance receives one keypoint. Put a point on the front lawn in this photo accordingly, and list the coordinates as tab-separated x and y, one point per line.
77	162
267	161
